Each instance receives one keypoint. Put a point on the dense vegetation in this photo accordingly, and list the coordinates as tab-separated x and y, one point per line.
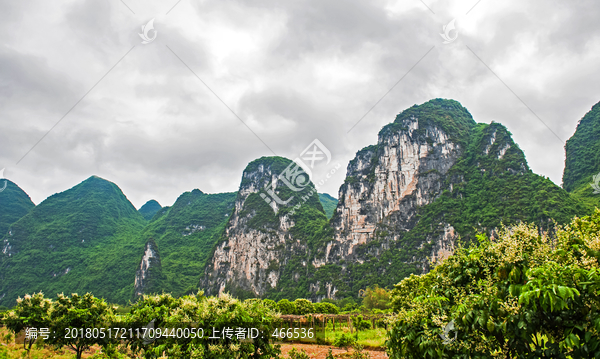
583	157
83	239
329	204
165	314
14	204
149	209
185	235
522	295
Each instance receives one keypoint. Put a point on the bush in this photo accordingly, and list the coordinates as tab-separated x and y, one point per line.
286	307
30	311
361	324
209	312
359	352
325	308
329	354
376	298
295	354
304	306
271	304
344	341
527	294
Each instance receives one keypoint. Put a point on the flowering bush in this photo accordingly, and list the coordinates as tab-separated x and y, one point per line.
522	295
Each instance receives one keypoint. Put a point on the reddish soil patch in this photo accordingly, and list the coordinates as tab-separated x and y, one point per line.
320	351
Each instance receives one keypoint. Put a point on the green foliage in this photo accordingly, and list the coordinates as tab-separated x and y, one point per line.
185	234
32	311
149	209
329	204
83	312
83	239
303	306
298	354
286	307
329	354
360	323
449	115
522	295
344	341
325	308
195	311
359	352
376	298
582	160
14	204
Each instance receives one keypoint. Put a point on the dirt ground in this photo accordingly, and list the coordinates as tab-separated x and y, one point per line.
320	351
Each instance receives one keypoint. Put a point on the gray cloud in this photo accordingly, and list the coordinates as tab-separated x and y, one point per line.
292	71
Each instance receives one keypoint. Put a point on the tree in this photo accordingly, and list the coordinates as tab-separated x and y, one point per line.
207	315
326	308
286	307
522	295
303	306
31	311
74	320
376	298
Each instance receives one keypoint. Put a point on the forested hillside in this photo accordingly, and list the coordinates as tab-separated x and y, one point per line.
83	239
582	163
14	204
185	235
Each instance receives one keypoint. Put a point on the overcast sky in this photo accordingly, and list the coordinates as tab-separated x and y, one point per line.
157	123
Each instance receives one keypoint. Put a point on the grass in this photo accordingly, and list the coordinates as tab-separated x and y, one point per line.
368	338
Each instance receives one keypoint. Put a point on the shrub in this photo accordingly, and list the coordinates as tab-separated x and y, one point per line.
295	354
376	298
209	312
361	324
31	311
271	304
527	294
325	308
286	307
329	354
344	341
359	352
303	306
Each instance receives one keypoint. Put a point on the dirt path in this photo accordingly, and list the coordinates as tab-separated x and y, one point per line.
320	351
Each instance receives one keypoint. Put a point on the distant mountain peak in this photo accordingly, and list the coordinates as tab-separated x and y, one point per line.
149	209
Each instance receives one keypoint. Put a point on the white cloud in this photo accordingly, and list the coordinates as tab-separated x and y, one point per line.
293	71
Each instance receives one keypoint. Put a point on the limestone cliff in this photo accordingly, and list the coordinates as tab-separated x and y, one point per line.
387	182
263	238
435	176
148	277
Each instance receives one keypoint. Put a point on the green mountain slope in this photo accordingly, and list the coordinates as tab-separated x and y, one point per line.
185	235
489	184
582	161
83	239
329	203
264	249
14	204
149	209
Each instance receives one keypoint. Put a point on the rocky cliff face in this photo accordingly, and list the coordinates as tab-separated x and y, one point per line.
147	277
434	176
387	183
262	240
